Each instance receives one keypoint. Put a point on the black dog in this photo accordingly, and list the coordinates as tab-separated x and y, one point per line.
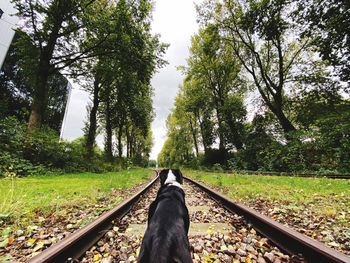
166	239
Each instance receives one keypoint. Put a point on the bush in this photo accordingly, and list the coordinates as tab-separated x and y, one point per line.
44	152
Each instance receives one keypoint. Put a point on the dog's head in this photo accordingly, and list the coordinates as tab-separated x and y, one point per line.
171	176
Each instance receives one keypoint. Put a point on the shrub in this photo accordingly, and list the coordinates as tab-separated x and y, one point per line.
45	153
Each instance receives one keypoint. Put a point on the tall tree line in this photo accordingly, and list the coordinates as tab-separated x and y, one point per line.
109	47
275	52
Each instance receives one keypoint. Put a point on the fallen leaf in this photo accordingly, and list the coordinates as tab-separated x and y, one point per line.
11	239
96	257
6	232
5	258
31	240
209	232
4	242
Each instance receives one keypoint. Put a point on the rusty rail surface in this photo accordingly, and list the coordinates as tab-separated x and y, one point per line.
285	238
75	245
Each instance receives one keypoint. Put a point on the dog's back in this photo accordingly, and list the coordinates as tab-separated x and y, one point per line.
166	238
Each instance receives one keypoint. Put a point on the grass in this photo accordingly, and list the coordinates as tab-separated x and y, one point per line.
324	197
22	198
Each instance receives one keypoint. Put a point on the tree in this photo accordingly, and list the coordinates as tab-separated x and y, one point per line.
211	65
122	78
16	81
59	30
197	102
260	34
178	148
328	23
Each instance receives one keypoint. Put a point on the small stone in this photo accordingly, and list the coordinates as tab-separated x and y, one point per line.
69	226
29	244
227	239
241	252
249	248
22	238
227	259
100	243
110	234
230	249
47	242
140	211
107	260
243	246
124	256
198	249
19	232
131	259
223	248
114	253
261	260
123	250
269	256
60	237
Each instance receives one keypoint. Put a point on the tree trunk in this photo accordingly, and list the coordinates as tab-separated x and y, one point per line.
90	139
287	126
193	131
39	103
236	139
221	136
205	146
127	141
120	135
109	132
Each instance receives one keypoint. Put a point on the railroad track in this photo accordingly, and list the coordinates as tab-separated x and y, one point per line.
220	231
329	176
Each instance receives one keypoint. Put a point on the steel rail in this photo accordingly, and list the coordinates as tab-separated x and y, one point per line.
308	175
75	245
287	239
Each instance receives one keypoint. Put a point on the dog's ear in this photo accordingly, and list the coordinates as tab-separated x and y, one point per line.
178	175
163	176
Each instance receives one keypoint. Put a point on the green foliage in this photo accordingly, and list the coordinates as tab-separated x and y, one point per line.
152	163
46	153
328	22
248	48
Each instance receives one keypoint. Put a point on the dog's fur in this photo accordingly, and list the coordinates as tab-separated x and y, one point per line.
166	240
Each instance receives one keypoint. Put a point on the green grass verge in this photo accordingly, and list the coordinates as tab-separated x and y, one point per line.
328	198
22	198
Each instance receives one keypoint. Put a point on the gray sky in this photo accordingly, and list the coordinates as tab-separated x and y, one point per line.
176	22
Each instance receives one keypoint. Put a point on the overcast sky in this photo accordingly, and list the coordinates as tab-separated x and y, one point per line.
176	22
